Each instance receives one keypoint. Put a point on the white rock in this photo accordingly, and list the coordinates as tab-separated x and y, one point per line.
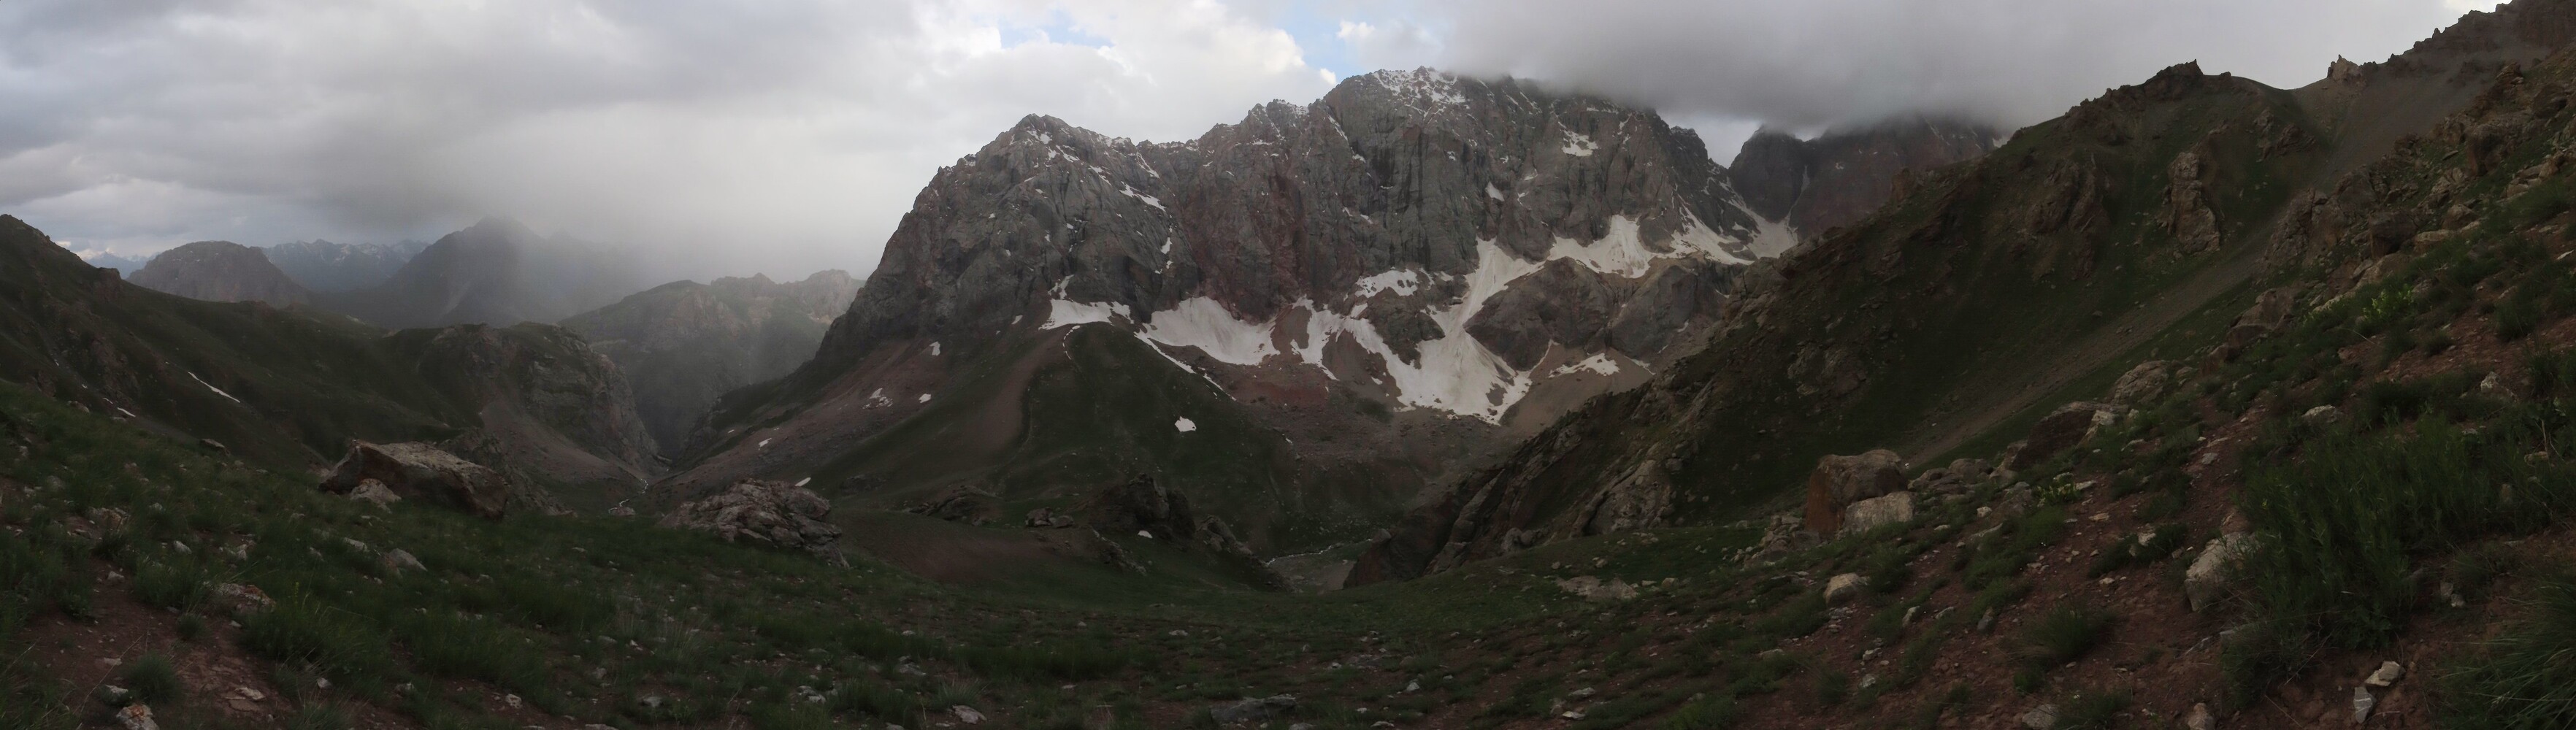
1842	588
2361	704
2387	674
2208	578
2199	718
1869	514
967	715
136	717
2043	717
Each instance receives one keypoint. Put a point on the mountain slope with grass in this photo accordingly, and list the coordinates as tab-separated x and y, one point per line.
1948	323
683	344
292	387
221	271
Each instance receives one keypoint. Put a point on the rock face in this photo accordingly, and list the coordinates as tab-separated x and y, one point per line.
2212	576
496	272
770	514
548	407
684	344
220	271
324	266
420	471
1411	271
1841	176
1839	481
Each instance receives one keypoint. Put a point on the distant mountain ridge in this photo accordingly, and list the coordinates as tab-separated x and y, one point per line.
683	344
220	271
325	266
496	272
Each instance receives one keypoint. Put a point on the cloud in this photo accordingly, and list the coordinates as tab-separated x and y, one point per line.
1808	63
780	137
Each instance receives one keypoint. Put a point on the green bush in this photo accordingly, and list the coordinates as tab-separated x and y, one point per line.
2343	522
1708	712
182	587
2522	679
300	630
2064	634
153	679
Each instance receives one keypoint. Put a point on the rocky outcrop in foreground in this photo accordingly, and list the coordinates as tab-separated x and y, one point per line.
421	472
770	514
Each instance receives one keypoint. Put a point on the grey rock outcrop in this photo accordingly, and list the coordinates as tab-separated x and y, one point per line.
1839	481
2212	576
1895	508
770	514
420	471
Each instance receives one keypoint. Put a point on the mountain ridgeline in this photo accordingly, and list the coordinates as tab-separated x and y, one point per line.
1968	308
1356	295
496	272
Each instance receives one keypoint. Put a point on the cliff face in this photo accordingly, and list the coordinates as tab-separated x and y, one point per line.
220	271
1382	285
1835	179
546	405
684	344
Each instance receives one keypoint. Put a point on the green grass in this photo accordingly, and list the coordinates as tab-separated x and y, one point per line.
153	679
2521	679
2062	635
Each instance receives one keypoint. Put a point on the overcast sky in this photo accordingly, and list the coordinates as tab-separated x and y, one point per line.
786	136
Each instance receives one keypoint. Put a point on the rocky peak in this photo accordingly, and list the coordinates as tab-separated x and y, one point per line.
220	271
1844	174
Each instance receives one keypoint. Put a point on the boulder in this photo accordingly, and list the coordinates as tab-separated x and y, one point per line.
2322	416
423	472
2062	429
1253	710
1876	512
1843	588
2200	718
2043	717
970	506
399	560
374	492
761	512
1597	590
1842	480
2143	383
2213	574
136	717
241	599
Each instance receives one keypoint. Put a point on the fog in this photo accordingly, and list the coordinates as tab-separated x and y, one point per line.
786	137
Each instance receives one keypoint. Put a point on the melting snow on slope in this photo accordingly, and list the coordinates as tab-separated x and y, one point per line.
1623	252
1493	192
1203	323
1402	281
925	398
210	386
1771	238
877	399
1124	189
1185	425
1580	145
1066	313
1599	363
934	349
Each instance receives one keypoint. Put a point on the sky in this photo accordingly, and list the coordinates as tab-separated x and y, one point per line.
789	136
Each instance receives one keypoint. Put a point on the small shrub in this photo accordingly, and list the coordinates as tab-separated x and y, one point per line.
192	627
1708	712
181	587
2520	679
2064	634
1832	687
2092	711
153	679
299	630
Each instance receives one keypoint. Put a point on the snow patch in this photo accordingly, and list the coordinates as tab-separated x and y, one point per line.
1599	363
764	443
1203	323
877	399
804	481
1580	145
1404	282
1493	192
934	349
1771	238
1185	425
210	386
1123	189
1623	252
1063	313
925	398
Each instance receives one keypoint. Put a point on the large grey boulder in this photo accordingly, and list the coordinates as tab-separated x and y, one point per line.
2212	575
1876	512
1841	480
766	513
422	472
